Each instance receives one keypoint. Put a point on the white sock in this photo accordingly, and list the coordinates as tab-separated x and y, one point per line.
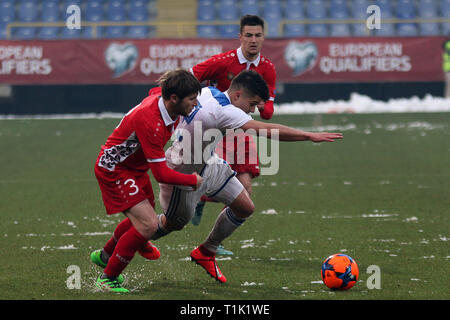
225	225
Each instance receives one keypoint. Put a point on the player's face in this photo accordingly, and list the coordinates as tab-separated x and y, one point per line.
252	38
246	103
186	105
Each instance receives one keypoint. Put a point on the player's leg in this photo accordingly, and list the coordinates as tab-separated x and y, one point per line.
246	179
148	251
178	206
231	217
143	224
246	165
239	208
225	149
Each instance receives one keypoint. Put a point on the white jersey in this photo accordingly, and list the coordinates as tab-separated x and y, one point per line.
199	133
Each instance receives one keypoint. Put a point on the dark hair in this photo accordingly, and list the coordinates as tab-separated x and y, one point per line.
180	82
251	82
251	20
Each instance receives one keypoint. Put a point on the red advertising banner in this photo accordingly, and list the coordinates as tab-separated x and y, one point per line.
296	60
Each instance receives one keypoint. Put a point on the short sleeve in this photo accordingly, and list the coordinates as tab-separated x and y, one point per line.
231	117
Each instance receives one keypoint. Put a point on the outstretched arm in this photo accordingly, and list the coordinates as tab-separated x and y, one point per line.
289	134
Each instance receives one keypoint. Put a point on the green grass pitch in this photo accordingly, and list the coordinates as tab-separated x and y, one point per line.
381	195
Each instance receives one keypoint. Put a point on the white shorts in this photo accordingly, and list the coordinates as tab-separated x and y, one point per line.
219	183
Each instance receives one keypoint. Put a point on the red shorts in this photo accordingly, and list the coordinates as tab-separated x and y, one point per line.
239	150
122	189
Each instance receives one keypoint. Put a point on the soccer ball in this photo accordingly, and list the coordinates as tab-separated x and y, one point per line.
339	272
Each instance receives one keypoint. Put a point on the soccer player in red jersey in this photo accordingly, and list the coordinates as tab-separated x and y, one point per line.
136	146
220	70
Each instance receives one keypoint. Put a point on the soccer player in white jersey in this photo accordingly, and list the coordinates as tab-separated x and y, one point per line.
222	111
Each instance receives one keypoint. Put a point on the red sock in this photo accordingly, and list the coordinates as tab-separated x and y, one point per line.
121	228
125	249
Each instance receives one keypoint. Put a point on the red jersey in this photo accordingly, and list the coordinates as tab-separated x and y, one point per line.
140	137
222	68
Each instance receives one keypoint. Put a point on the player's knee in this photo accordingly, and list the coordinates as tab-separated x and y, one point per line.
244	211
147	228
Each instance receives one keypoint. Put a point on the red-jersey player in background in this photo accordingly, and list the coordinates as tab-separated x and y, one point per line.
136	146
220	70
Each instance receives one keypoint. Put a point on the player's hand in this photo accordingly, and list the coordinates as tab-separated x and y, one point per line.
199	181
325	136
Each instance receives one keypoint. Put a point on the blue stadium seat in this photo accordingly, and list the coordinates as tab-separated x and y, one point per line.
340	30
67	33
48	33
272	9
115	12
294	30
445	12
137	32
318	30
138	11
228	10
3	34
446	29
386	8
94	11
249	7
358	10
407	30
50	11
7	11
88	32
293	10
272	15
316	9
427	9
207	31
28	12
25	33
206	11
429	29
386	30
114	32
338	10
360	30
445	8
229	31
406	9
70	2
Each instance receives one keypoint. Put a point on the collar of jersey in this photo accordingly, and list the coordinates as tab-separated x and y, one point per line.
164	114
243	59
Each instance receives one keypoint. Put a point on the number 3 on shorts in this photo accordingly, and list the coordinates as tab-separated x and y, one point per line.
132	185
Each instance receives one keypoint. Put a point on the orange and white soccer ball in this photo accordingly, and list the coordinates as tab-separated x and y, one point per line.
339	272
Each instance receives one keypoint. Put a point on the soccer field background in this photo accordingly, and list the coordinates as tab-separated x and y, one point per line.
380	195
